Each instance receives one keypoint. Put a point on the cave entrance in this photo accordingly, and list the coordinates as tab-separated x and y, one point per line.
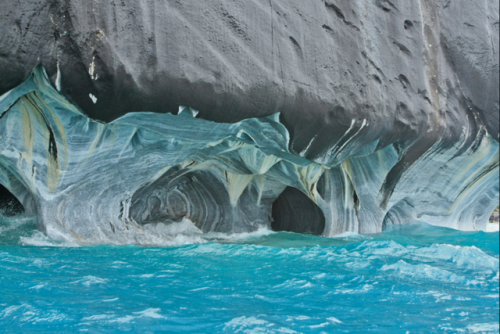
9	204
294	212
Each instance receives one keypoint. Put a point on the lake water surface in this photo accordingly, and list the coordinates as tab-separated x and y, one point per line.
411	279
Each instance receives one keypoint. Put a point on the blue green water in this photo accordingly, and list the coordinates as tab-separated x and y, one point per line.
416	278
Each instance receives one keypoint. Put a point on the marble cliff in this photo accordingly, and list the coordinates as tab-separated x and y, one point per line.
119	118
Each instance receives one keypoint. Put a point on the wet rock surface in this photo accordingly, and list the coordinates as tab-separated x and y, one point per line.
388	113
495	216
134	179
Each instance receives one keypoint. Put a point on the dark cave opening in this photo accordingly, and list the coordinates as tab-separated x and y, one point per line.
9	204
294	212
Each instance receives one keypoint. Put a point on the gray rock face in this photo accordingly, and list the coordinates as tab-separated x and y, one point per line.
408	68
396	102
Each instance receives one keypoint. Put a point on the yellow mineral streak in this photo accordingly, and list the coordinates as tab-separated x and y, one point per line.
309	177
112	138
259	183
236	184
28	130
53	174
61	135
95	142
53	170
258	161
43	85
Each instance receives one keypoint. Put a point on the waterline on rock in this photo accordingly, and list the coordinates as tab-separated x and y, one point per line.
94	183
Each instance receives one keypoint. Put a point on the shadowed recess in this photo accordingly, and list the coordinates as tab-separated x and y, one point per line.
295	212
9	204
177	195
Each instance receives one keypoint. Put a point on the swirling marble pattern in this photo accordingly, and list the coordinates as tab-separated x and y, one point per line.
94	183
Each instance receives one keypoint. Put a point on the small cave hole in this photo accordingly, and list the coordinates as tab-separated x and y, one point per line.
9	204
408	24
294	212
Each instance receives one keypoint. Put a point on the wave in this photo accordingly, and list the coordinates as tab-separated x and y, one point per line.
261	282
38	239
416	241
13	228
21	230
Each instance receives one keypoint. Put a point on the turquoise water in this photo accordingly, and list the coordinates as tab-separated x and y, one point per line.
415	279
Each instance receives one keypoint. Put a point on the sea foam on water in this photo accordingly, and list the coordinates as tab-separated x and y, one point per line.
417	277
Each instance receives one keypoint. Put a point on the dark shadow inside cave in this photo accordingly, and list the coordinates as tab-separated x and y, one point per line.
294	212
9	204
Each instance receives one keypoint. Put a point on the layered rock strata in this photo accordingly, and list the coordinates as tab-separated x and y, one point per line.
119	182
377	112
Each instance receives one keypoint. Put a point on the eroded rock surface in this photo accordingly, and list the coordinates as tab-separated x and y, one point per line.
93	182
388	112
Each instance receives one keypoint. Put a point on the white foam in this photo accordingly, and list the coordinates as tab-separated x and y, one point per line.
184	227
110	300
11	309
320	276
293	283
246	325
37	287
186	233
39	239
123	320
438	295
462	256
15	223
97	317
50	318
334	320
286	330
492	327
423	272
90	280
150	313
162	235
492	227
350	235
465	257
381	248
